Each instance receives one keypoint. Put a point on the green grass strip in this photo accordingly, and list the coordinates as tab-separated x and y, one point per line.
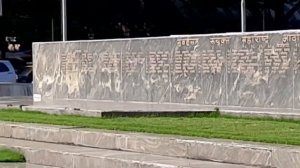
7	155
279	131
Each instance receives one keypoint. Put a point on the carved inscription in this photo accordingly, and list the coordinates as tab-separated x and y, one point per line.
255	54
276	60
254	42
133	62
212	61
244	60
72	62
254	39
158	63
185	62
84	61
220	41
111	61
251	54
269	60
291	38
187	42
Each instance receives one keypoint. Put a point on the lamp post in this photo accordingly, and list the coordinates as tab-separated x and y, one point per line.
64	19
243	15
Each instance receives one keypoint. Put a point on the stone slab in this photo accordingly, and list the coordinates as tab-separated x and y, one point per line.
228	151
236	70
108	109
67	156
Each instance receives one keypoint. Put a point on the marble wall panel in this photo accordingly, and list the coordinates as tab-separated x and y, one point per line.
104	70
213	53
160	53
261	73
199	70
46	68
296	66
135	80
259	70
186	71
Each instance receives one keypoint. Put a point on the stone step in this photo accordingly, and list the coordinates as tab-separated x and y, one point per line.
182	147
111	109
68	156
122	109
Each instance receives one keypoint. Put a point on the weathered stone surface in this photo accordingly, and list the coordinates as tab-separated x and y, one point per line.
66	156
231	152
248	70
199	149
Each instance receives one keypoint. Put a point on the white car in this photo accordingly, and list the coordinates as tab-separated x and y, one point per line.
7	72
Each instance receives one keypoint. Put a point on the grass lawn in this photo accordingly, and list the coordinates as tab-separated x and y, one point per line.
7	155
208	126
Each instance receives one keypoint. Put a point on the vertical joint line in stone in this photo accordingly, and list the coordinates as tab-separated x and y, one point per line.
62	74
121	73
146	54
172	52
226	74
294	66
87	71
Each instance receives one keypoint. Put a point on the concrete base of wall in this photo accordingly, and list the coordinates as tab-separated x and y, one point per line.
121	109
108	109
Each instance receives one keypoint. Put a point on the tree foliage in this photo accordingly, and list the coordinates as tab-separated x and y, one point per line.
31	19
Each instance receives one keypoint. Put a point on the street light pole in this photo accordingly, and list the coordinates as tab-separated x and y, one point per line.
64	19
243	15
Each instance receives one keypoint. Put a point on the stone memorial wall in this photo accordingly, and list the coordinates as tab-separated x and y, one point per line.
249	70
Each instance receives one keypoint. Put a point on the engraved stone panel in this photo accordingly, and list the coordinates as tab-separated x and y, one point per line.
260	73
293	39
214	69
199	70
74	65
159	58
46	67
135	81
103	73
186	75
